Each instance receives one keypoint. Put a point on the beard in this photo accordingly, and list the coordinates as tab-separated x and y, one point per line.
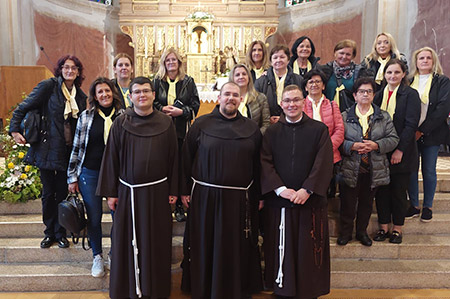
229	111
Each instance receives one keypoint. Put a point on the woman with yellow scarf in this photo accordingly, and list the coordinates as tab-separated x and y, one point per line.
384	48
403	105
303	59
176	95
434	91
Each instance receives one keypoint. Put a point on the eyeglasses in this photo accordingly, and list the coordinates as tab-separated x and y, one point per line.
292	101
364	91
145	91
68	68
312	82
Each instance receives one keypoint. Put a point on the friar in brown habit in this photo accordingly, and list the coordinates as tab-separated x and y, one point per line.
296	169
221	174
139	177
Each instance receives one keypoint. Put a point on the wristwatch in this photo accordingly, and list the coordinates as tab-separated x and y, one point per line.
309	191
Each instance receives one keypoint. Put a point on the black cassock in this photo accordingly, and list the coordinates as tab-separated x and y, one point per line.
141	150
221	254
296	155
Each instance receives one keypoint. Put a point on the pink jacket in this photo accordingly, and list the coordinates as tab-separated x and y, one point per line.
331	116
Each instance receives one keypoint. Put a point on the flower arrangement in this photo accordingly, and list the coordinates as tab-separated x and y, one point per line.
200	15
18	182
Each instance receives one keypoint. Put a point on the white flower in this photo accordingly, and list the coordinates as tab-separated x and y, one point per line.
28	182
2	185
8	179
21	182
27	145
14	146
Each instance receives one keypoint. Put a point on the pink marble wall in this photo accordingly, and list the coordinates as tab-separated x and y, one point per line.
325	37
432	29
60	37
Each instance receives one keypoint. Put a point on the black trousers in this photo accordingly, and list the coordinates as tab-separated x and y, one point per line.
391	200
356	201
54	191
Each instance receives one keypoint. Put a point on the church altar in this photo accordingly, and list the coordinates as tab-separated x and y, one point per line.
210	36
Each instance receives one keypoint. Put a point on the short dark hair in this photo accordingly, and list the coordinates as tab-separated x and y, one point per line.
291	88
311	74
100	80
362	81
230	83
140	80
280	48
60	63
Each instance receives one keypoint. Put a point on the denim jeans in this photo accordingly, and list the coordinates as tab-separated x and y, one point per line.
88	184
428	155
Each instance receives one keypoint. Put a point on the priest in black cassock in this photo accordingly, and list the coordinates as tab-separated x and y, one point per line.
139	177
296	169
221	174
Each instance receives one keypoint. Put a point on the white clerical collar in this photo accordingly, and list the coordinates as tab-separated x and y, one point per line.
294	122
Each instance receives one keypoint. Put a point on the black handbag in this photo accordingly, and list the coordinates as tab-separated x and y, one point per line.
72	216
33	126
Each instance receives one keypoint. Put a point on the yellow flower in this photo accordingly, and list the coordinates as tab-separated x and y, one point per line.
23	176
10	165
27	168
21	155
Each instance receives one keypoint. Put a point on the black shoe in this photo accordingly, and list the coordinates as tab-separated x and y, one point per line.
381	235
412	212
47	242
396	237
343	240
63	242
179	213
427	215
364	239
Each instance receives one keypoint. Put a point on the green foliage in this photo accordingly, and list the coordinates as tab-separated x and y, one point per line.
18	182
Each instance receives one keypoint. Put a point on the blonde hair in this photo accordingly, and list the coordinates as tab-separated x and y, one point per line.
437	68
251	91
162	72
374	54
248	57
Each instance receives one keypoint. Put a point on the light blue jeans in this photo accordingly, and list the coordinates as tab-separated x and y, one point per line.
428	156
88	184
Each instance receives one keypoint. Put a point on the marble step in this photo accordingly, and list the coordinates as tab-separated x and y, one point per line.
27	250
439	225
54	277
389	274
31	226
345	273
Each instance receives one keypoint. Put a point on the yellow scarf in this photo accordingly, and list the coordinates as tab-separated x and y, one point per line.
71	106
108	123
392	101
336	95
172	92
364	118
126	96
243	106
379	76
424	97
280	86
258	72
296	69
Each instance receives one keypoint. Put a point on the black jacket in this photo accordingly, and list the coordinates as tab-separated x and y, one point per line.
406	119
371	69
346	100
267	85
187	100
52	152
435	129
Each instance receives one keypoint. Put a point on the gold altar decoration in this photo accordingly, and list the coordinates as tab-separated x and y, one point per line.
211	36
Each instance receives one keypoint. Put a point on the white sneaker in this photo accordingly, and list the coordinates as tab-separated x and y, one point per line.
98	269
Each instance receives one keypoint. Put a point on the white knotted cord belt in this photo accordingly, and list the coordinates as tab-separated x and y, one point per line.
134	241
281	248
218	186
